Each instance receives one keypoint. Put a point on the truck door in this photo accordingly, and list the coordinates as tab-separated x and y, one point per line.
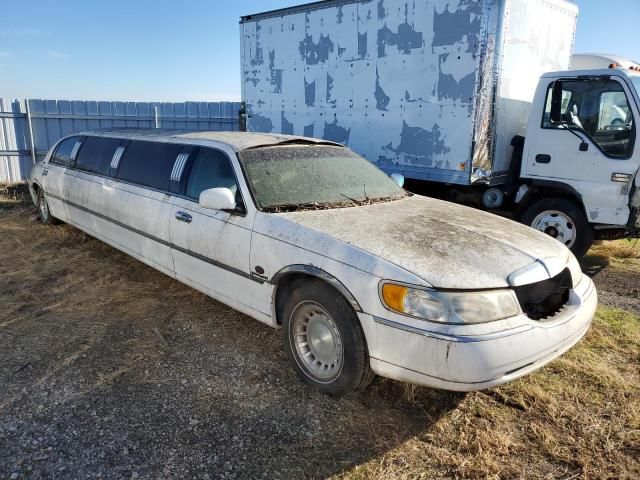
591	149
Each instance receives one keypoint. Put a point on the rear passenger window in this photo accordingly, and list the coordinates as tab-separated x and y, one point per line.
210	169
149	163
66	151
96	154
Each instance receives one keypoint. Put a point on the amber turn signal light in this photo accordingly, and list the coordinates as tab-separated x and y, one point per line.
394	296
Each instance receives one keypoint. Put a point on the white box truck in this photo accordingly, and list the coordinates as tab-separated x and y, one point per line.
453	95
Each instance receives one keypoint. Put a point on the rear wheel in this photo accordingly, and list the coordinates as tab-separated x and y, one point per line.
323	339
563	220
43	210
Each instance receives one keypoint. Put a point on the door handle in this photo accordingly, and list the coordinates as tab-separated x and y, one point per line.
184	217
542	158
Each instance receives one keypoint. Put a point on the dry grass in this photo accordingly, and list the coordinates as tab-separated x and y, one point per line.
619	249
579	417
13	195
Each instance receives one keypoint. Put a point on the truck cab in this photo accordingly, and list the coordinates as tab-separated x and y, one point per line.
579	173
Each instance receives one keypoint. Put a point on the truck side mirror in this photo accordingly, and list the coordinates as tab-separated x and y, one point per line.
556	103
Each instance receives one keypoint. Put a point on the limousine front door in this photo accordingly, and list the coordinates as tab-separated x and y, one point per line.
211	250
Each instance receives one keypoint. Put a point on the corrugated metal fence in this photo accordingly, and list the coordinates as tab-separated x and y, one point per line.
28	128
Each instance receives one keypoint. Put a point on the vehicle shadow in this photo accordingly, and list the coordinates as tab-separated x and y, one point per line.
594	264
380	420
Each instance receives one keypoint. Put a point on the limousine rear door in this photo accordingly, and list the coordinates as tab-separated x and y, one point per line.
139	203
119	193
54	179
211	248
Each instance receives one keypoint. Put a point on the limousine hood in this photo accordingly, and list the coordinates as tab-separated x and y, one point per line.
447	245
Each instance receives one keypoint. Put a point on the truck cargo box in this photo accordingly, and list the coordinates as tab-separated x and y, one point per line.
432	89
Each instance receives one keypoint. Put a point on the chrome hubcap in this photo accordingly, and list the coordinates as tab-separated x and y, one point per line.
557	225
317	342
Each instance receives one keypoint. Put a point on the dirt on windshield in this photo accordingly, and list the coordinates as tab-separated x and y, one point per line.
349	202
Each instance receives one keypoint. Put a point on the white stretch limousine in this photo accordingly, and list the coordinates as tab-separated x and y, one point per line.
362	276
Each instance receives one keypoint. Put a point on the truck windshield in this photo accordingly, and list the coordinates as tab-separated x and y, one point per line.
287	178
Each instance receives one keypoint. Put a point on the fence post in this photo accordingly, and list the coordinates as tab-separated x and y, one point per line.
156	113
30	126
242	117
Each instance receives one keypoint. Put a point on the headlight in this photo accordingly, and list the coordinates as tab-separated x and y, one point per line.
450	307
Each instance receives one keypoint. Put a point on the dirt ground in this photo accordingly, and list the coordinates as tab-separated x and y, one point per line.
109	369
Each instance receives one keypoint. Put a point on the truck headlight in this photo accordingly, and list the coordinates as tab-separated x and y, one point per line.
450	307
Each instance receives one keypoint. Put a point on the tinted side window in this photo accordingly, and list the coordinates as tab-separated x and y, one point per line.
96	154
65	153
210	169
149	163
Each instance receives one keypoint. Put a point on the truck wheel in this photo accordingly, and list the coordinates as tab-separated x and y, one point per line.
44	212
563	220
323	339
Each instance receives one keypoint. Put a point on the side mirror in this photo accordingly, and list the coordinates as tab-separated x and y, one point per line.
218	199
398	178
556	103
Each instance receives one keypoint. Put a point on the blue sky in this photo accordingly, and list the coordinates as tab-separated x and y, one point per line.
165	50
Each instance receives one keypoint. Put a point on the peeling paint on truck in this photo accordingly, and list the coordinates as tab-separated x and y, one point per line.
419	87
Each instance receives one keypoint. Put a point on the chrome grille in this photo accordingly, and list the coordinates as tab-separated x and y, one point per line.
542	300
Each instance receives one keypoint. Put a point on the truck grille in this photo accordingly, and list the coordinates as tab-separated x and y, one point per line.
545	299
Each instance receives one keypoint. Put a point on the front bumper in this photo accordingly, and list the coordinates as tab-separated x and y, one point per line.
468	361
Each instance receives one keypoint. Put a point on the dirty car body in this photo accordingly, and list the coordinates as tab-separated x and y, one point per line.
415	289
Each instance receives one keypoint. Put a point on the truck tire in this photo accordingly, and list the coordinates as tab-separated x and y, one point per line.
563	220
323	339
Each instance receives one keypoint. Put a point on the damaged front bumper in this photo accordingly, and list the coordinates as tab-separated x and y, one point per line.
468	361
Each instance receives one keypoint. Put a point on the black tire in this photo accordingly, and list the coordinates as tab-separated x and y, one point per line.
355	372
43	210
584	234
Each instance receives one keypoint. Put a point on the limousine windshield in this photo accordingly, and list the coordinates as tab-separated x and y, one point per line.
286	178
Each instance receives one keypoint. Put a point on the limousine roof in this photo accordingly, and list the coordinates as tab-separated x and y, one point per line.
237	140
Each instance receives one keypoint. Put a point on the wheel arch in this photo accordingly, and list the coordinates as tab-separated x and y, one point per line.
539	189
34	189
286	277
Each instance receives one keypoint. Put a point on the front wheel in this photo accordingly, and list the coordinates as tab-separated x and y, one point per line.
323	339
563	220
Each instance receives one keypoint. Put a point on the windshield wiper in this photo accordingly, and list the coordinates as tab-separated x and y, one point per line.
291	207
353	200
